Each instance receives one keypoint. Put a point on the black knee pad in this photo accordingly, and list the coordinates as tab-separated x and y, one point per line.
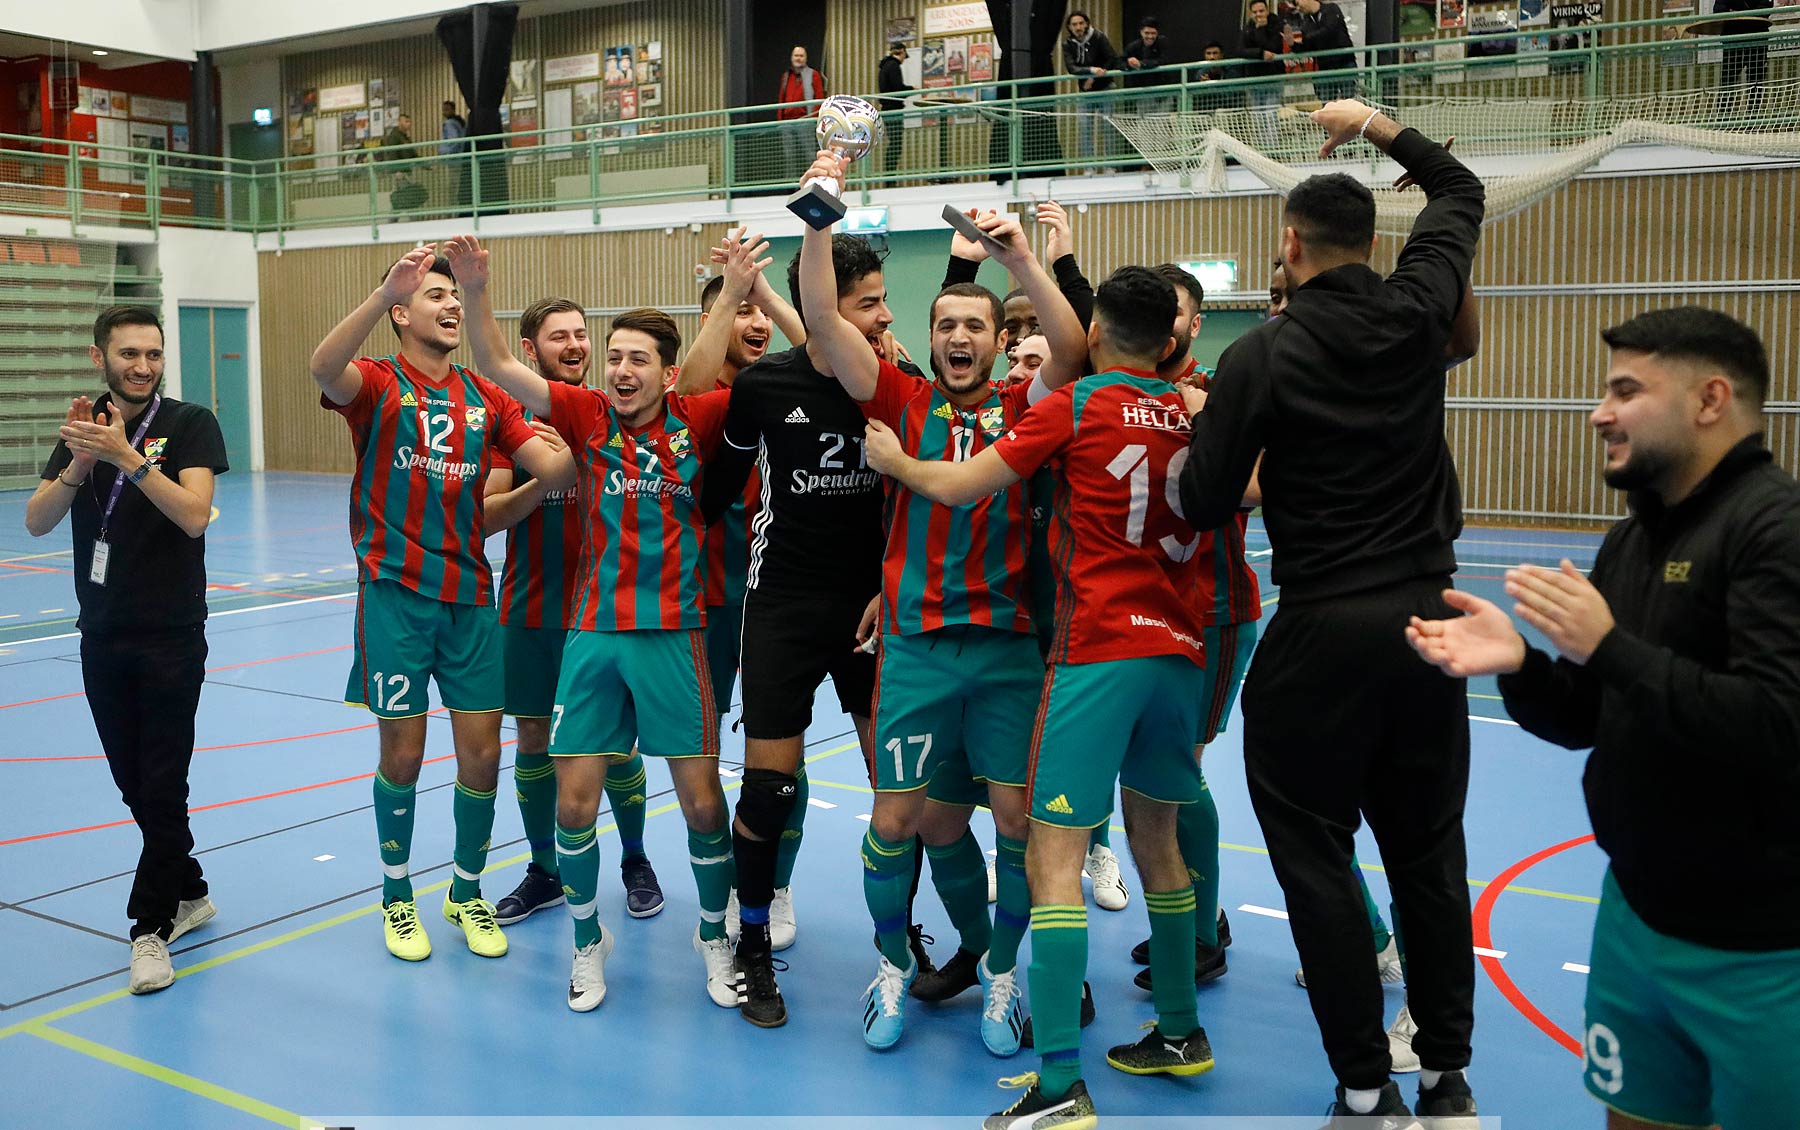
766	801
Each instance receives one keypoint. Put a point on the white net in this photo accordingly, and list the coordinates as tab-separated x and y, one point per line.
1557	139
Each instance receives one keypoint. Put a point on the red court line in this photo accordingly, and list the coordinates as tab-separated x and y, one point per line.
209	670
34	568
1484	911
29	760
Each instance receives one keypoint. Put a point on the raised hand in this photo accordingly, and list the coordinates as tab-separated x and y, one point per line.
891	350
469	260
1004	229
962	247
827	165
1342	119
101	442
81	411
1059	241
744	263
404	278
1482	641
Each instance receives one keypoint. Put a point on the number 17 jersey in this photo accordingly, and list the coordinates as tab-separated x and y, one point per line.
1124	557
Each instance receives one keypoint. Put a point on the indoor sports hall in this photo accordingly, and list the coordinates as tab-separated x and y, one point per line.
250	173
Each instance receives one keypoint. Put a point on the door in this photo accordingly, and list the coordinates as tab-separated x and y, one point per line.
215	371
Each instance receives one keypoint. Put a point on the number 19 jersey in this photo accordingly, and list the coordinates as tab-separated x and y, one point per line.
1127	576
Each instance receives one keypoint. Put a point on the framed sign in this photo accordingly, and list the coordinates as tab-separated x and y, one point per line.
350	96
949	19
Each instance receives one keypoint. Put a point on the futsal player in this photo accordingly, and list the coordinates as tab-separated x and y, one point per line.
1121	703
537	591
426	433
634	668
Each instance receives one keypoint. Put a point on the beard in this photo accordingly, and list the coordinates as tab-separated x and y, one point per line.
1643	469
115	382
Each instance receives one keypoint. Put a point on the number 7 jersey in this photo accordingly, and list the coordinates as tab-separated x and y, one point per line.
1124	557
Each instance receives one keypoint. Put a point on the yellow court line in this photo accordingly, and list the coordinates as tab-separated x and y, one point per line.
169	1075
316	927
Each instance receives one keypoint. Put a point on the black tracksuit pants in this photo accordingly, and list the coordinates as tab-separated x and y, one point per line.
1344	722
143	691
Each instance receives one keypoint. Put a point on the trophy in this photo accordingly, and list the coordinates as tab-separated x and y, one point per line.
848	126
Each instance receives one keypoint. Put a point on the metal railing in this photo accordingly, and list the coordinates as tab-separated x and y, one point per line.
1556	81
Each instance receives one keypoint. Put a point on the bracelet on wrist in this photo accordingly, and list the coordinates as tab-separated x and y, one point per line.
67	483
1362	133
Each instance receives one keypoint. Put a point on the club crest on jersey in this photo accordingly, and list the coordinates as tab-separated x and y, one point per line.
153	449
408	400
680	442
993	421
944	412
476	418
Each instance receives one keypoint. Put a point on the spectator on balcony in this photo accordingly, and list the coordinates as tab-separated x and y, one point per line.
1144	68
455	143
1322	28
1261	44
395	141
1746	61
1219	100
891	80
799	93
1089	55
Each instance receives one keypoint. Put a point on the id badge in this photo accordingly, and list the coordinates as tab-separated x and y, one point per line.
97	570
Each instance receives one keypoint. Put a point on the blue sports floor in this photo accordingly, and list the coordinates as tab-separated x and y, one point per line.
289	1010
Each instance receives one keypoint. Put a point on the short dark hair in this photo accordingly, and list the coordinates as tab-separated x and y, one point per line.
709	293
1136	306
1698	335
1334	211
1254	3
896	46
1148	22
1212	44
648	320
1181	279
970	290
113	317
439	266
851	257
1015	292
536	314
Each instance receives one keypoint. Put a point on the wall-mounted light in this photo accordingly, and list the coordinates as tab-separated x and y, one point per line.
263	116
97	51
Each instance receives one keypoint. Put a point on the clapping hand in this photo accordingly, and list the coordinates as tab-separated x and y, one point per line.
100	441
405	277
1482	641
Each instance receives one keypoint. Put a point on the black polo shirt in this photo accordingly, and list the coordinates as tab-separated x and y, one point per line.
156	576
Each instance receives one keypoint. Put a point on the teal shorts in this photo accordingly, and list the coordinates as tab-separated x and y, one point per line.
956	702
649	688
404	639
724	640
1128	720
533	665
1688	1035
1228	650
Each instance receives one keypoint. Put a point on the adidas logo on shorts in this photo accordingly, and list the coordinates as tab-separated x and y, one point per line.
798	416
1060	806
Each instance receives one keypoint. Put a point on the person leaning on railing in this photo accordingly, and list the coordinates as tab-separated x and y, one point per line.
1322	28
1261	45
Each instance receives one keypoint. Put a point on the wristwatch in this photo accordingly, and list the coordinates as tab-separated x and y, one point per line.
138	475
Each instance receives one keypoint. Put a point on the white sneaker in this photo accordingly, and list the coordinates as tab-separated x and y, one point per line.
587	978
190	914
781	920
1400	1038
1102	867
721	969
734	926
1388	961
993	881
151	968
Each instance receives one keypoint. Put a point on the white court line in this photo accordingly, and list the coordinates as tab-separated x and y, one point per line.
863	816
48	611
724	772
211	616
1493	721
1574	968
1247	908
1481	952
36	556
1499	565
323	858
817	803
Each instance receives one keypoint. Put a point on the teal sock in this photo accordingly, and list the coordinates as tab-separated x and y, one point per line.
714	876
1059	945
1197	834
959	872
887	878
625	792
1101	836
534	778
1172	960
1012	907
789	848
474	814
578	861
1377	927
394	825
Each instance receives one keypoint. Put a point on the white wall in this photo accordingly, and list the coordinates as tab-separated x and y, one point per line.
235	23
147	27
207	268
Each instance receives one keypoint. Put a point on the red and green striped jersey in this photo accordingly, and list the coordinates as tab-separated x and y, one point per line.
543	556
728	542
949	565
638	495
423	452
1127	578
1228	587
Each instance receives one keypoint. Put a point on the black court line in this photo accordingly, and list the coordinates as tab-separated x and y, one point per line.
65	922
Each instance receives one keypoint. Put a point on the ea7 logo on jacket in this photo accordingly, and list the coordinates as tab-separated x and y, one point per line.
1676	572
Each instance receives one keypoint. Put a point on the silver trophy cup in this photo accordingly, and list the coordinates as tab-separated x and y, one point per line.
849	126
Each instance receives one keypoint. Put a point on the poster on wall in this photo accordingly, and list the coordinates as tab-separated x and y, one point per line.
346	133
178	137
1493	52
121	104
609	106
1534	57
522	81
587	103
902	29
111	133
1448	75
559	115
649	62
1534	13
102	100
981	62
1451	14
620	67
931	69
572	68
367	139
377	92
650	97
146	135
628	103
523	125
956	58
350	96
1575	14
